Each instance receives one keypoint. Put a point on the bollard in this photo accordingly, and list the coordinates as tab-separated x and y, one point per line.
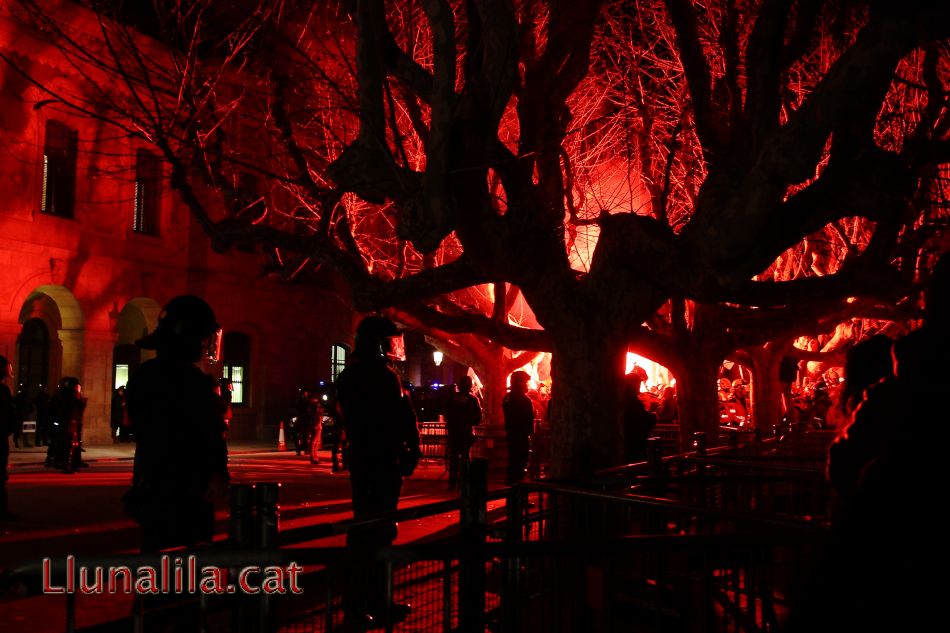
699	443
267	519
734	439
241	516
241	536
268	514
472	518
655	456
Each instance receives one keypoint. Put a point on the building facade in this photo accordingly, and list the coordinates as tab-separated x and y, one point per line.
93	242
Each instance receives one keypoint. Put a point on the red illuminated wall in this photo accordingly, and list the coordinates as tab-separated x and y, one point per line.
96	284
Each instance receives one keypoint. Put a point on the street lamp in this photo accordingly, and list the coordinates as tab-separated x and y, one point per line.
437	357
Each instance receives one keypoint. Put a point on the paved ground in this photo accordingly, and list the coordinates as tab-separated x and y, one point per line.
62	514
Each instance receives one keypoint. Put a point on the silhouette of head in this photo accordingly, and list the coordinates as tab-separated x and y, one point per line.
6	368
865	364
465	384
378	337
519	381
184	328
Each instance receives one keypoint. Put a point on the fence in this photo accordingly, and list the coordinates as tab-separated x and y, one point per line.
677	550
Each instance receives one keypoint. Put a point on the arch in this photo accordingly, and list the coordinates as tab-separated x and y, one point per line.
33	356
59	310
137	318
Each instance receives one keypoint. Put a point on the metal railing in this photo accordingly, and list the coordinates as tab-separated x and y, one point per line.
534	557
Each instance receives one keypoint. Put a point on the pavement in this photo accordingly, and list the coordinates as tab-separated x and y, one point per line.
62	514
115	452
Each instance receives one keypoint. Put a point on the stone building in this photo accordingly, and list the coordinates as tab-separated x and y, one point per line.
93	242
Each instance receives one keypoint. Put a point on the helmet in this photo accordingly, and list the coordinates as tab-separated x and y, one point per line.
185	322
69	383
377	336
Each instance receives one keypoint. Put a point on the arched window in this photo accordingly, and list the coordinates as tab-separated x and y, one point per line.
33	356
236	358
337	360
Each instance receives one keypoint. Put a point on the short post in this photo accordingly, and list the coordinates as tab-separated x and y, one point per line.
655	456
734	439
240	536
268	514
472	561
699	443
241	516
267	522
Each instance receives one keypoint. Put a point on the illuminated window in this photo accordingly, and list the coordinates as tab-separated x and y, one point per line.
337	360
121	376
148	182
236	358
59	170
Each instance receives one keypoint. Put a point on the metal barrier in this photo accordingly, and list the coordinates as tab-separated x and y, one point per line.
434	441
534	557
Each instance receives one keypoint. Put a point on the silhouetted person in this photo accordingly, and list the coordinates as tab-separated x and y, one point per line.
519	425
7	420
66	411
462	415
117	414
226	391
638	423
302	423
181	461
668	413
383	447
866	364
889	472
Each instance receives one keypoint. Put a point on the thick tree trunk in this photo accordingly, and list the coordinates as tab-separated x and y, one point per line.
494	387
586	435
697	397
767	408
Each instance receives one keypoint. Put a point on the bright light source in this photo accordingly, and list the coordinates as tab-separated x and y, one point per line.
437	357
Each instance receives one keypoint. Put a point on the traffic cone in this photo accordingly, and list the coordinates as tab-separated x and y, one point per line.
281	440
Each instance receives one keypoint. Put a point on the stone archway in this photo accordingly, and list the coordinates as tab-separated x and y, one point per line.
59	311
136	319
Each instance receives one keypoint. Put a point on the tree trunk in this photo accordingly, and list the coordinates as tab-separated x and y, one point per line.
494	387
767	408
587	371
697	397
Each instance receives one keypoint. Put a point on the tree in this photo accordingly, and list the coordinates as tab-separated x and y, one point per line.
636	170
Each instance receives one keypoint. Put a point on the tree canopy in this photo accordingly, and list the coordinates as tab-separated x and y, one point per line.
626	169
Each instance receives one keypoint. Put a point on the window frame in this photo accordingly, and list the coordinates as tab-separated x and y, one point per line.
337	364
147	193
58	177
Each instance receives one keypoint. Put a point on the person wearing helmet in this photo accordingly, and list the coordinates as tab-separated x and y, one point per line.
66	409
178	419
519	425
7	421
462	415
383	447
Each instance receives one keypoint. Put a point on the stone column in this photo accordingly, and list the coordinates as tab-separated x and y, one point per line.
97	385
